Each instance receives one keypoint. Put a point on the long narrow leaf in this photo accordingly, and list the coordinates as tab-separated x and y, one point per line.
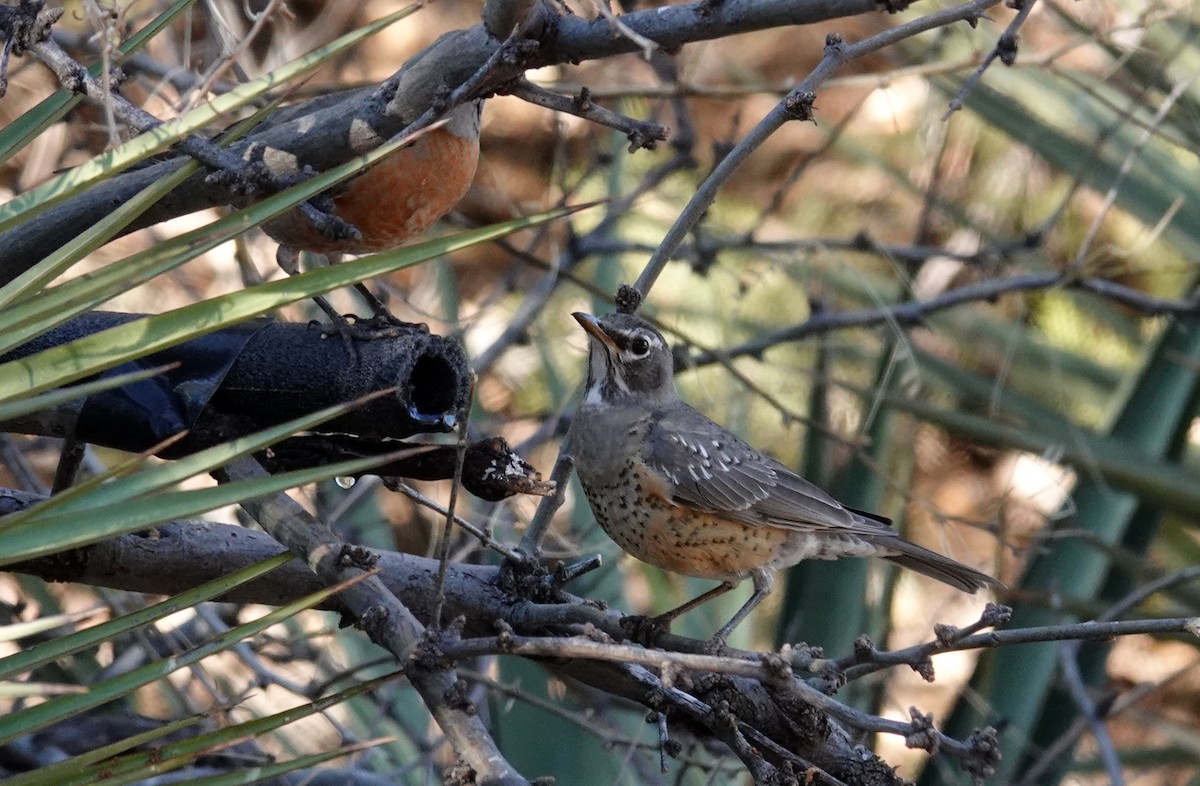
31	124
31	719
120	490
54	398
49	651
40	535
41	198
1015	683
95	353
89	767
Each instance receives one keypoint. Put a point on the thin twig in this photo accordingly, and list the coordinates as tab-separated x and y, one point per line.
851	669
443	550
641	133
914	312
1005	51
797	105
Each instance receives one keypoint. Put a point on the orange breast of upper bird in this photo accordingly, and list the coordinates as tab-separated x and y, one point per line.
396	199
635	509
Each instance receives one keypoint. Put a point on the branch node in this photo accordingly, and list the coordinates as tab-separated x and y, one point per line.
995	614
593	633
457	699
373	619
352	556
75	79
864	648
628	299
777	666
983	753
803	657
505	637
25	25
922	734
583	101
799	105
1006	48
946	634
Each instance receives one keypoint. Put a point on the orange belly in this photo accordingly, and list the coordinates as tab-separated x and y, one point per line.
395	200
700	545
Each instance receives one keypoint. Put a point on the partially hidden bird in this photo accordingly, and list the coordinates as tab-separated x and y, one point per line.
394	200
679	491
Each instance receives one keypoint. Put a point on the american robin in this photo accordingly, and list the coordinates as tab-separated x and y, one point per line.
394	200
679	491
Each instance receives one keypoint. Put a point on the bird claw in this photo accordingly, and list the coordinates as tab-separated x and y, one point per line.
715	646
352	328
645	630
381	326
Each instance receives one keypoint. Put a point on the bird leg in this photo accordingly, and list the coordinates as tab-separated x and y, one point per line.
645	629
382	325
288	259
764	581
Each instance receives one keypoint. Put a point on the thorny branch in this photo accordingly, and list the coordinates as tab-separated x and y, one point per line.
722	719
382	616
797	105
573	631
641	133
914	312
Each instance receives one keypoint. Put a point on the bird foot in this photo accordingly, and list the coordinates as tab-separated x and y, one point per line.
351	327
645	630
715	645
385	325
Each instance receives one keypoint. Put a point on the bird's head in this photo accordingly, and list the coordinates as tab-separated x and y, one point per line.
627	360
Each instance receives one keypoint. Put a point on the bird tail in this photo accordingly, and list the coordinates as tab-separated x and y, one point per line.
943	569
926	562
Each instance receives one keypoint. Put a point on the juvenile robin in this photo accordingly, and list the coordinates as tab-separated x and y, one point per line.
679	491
396	199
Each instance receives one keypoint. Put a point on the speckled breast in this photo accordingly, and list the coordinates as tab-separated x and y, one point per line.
635	511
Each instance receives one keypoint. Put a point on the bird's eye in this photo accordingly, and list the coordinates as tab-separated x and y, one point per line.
640	347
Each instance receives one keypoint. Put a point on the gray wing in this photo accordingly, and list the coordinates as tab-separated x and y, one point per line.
711	469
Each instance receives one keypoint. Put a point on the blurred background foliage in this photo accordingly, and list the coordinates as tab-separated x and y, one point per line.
1044	435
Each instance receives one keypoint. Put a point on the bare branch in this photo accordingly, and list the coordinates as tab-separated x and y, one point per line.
383	617
797	105
641	133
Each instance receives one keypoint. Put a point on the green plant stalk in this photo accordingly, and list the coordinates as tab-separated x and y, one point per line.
1161	182
35	278
41	198
49	651
59	773
31	124
98	764
62	396
55	306
830	607
1016	682
31	719
49	534
122	484
100	351
1123	465
258	774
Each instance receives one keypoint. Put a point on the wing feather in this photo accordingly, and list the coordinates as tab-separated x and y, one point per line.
710	469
